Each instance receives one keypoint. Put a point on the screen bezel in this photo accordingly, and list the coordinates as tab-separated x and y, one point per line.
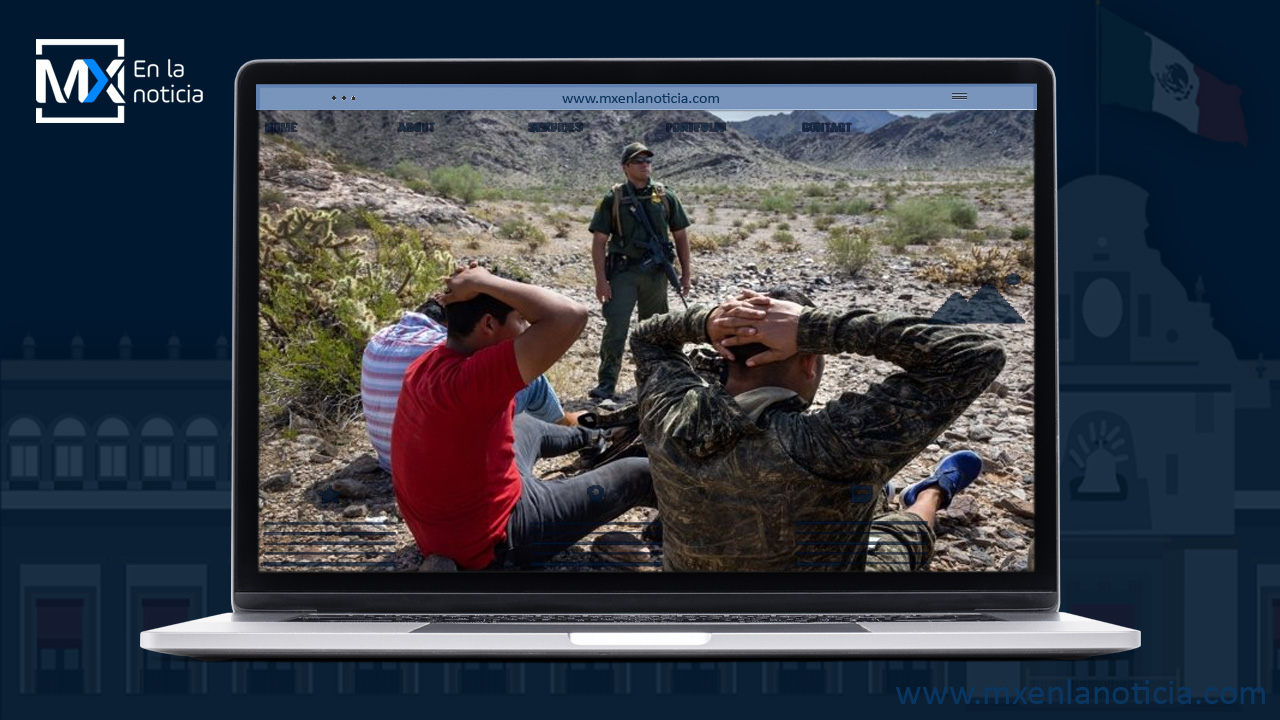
254	589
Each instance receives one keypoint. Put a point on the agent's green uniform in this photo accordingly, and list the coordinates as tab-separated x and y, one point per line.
629	283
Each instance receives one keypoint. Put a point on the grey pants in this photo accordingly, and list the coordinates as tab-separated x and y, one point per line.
552	515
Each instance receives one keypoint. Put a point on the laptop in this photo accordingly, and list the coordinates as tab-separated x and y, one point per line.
922	186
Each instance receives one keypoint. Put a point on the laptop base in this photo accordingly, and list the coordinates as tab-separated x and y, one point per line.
1008	635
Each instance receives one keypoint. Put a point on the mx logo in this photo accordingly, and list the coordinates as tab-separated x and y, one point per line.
85	83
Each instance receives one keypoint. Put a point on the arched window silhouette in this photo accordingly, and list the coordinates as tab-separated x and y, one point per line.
113	449
68	449
202	449
157	449
24	449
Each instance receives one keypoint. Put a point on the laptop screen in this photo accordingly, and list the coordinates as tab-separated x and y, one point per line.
874	246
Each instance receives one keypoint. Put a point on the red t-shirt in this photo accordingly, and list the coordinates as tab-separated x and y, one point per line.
452	461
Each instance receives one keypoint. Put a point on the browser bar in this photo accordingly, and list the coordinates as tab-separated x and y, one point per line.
647	97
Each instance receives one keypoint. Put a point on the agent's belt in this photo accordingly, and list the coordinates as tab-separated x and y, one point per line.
616	263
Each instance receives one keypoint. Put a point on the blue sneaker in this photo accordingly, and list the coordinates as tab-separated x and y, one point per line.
953	474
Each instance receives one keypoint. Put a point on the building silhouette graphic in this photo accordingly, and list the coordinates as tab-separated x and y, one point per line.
1163	463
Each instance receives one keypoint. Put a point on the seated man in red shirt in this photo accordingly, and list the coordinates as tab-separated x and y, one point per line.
462	470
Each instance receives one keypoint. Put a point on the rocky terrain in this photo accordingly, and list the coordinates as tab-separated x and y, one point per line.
959	140
864	120
768	127
766	149
317	480
499	144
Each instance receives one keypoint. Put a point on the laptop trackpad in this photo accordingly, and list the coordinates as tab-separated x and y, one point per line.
639	639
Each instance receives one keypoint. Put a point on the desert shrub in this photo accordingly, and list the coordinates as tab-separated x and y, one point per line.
709	242
269	195
737	222
521	230
561	221
995	233
784	226
850	250
1020	232
980	266
462	181
1026	257
894	241
779	202
422	187
320	299
292	159
408	170
960	212
786	241
975	236
842	185
509	268
346	224
921	220
816	190
849	206
699	242
822	222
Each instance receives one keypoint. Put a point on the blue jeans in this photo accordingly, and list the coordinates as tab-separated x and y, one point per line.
552	515
539	399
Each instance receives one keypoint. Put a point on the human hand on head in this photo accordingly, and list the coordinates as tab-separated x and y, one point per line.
734	317
775	328
465	283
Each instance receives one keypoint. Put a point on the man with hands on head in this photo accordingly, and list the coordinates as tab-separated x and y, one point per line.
747	480
463	469
391	351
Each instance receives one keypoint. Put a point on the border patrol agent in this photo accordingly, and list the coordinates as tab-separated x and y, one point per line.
618	252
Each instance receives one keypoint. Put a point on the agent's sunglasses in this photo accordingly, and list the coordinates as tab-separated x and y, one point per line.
640	161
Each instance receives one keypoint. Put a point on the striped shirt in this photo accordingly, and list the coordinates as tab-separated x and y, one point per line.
390	353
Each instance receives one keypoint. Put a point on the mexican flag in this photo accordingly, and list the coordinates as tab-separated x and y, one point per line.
1143	72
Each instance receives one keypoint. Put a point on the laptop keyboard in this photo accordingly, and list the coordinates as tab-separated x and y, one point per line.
723	618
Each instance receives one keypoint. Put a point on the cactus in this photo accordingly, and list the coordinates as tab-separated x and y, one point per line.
322	297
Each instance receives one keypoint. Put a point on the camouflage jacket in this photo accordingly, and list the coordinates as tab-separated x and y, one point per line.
738	493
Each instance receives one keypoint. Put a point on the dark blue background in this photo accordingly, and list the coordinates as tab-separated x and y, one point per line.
126	229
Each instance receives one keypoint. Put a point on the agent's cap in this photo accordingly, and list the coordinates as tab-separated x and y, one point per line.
633	150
